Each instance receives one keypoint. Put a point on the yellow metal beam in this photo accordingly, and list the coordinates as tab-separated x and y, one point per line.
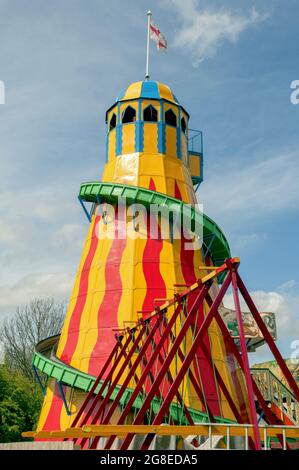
104	430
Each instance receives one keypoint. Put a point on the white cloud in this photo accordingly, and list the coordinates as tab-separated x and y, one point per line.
285	305
70	235
7	234
265	302
41	230
248	239
202	30
261	188
286	286
34	285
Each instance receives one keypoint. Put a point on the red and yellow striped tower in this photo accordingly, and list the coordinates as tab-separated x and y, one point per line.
124	272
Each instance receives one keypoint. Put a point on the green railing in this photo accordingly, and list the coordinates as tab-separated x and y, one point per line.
212	235
54	368
272	389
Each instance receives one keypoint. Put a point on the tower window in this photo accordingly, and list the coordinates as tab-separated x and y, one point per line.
183	125
112	123
170	118
129	115
150	114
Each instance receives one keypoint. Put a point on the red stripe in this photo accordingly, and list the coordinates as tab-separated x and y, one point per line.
151	263
207	373
155	285
53	418
160	44
74	325
155	30
108	310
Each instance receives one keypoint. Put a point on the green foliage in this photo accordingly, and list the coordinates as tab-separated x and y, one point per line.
20	404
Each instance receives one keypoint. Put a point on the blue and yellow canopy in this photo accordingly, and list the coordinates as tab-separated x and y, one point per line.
149	90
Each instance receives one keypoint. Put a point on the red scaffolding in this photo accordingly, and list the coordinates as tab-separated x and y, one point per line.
145	355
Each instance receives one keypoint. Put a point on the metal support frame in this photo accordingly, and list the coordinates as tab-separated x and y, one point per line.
188	359
86	212
144	347
39	380
92	391
268	338
245	360
212	237
197	186
228	339
128	378
105	382
89	213
62	395
261	417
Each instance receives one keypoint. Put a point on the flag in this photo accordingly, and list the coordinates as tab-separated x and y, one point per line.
157	37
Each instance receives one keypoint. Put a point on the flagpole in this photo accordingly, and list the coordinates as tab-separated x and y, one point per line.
149	14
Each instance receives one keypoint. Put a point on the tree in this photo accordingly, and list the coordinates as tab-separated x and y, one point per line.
30	324
20	403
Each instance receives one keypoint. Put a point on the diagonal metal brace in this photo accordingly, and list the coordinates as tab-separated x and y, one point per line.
61	392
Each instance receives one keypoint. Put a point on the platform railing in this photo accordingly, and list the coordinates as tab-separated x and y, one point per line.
195	141
274	391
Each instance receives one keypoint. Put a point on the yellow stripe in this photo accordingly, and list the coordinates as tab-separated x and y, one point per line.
128	138
170	138
133	91
46	404
72	302
98	281
165	92
84	320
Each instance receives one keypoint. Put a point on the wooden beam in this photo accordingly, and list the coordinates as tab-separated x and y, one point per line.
90	431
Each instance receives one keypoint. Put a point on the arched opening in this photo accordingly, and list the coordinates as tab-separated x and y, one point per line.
112	123
150	114
170	118
183	125
129	115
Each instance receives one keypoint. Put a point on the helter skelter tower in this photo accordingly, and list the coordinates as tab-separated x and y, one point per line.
144	339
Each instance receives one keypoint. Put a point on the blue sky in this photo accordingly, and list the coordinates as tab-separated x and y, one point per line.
230	63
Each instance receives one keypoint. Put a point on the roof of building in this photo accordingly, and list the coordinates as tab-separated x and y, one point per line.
148	89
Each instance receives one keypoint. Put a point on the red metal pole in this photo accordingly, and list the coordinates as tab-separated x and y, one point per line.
218	377
196	386
246	363
188	359
155	386
105	383
178	395
117	377
123	387
228	339
222	385
268	338
146	371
